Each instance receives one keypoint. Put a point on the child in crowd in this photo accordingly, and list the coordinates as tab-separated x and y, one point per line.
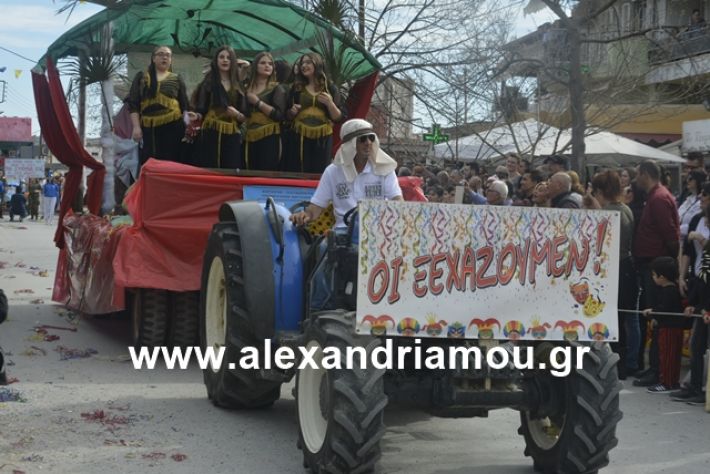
667	342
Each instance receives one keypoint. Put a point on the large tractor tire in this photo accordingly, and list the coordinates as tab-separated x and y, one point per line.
340	411
577	435
149	315
184	325
225	322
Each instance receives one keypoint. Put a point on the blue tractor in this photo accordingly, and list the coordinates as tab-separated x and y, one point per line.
257	276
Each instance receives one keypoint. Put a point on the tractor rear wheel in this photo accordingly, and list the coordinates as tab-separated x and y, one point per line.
340	411
578	429
226	325
149	315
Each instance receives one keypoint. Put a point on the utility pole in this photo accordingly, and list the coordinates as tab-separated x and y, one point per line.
361	20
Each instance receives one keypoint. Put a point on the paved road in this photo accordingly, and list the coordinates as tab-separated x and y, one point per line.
153	417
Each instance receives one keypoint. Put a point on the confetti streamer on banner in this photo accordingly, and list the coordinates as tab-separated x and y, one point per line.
18	73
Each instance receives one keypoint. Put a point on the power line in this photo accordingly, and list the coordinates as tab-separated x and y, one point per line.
19	55
19	98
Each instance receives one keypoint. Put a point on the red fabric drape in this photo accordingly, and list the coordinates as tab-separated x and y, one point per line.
63	141
357	103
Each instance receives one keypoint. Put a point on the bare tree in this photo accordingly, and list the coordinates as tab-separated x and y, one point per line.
433	44
600	59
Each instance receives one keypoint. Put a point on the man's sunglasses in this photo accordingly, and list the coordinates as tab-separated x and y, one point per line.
364	138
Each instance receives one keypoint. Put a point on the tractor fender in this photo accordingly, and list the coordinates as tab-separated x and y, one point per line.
273	277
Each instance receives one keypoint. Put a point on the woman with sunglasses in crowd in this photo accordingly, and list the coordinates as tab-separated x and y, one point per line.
217	101
157	102
315	105
691	205
266	102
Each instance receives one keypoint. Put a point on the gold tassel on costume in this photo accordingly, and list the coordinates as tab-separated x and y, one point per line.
158	120
256	134
310	115
172	113
260	126
212	121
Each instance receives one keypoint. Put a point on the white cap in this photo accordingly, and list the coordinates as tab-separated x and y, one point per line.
354	128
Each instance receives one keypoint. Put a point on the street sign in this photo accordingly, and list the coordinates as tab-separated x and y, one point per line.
435	136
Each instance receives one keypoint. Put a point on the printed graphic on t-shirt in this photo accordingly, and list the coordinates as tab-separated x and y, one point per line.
342	191
373	190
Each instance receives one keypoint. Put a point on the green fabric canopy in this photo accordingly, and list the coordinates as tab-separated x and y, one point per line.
201	26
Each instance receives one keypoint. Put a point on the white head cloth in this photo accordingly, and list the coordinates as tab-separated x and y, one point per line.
382	164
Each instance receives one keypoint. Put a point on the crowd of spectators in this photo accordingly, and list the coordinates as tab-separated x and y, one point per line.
664	268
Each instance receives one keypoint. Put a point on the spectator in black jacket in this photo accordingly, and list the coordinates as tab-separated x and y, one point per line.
18	205
3	317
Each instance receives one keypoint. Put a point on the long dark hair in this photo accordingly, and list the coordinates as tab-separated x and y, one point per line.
319	76
282	70
152	73
220	98
255	65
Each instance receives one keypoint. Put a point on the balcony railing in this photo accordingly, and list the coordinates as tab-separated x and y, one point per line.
666	48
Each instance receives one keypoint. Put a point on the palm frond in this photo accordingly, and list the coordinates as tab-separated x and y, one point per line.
96	62
338	66
334	11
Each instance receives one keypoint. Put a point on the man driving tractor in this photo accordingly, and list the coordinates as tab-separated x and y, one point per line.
360	170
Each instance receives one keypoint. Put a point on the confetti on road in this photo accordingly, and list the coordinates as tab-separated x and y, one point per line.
23	443
24	290
61	328
116	358
14	471
105	418
33	351
68	353
37	301
11	395
179	457
123	442
154	456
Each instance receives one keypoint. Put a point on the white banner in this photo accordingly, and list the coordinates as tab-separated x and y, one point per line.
24	168
696	136
445	270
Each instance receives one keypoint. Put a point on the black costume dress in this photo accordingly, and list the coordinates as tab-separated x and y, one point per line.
219	144
161	116
262	140
310	150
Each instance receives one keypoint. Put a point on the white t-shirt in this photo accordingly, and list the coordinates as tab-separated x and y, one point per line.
705	232
334	187
686	212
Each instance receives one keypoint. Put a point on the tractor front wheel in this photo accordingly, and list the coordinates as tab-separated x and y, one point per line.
577	427
340	411
226	325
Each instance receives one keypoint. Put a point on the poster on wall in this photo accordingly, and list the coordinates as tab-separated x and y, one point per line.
487	272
